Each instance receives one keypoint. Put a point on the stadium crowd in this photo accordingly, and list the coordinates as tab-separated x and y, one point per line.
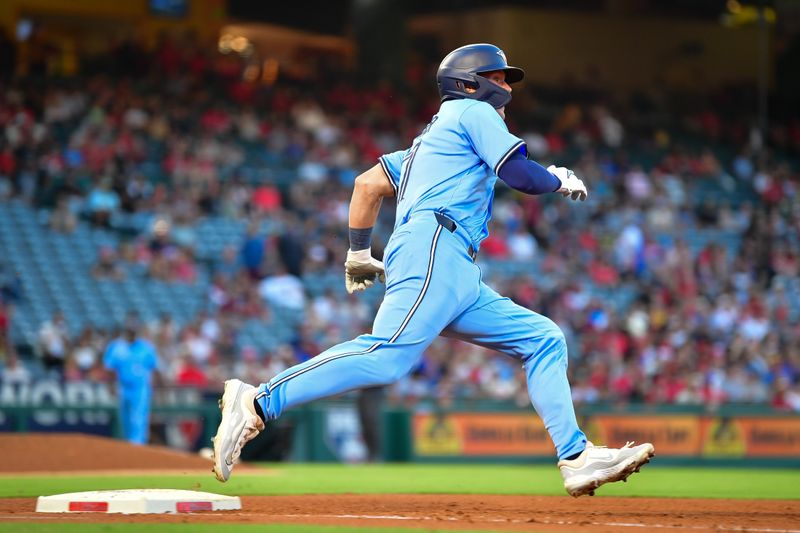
652	312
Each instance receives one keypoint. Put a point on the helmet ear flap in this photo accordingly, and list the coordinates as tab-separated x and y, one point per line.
464	85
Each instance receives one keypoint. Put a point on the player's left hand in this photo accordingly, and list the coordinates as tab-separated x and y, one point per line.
361	270
571	185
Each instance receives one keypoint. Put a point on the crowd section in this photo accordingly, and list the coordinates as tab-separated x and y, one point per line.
677	282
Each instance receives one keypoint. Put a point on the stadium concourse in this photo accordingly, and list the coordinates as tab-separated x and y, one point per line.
216	210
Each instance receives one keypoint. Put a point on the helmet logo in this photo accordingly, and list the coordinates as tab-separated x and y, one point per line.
503	55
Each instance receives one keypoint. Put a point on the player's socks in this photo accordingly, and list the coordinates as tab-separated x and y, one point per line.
260	412
571	457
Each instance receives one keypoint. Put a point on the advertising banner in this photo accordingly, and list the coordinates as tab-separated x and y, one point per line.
48	401
751	437
480	435
670	434
507	434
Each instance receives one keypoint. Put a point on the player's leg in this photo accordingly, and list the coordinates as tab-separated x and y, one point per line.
140	416
498	323
124	413
370	404
430	280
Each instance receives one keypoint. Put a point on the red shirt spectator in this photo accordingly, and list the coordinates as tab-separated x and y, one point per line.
603	274
266	198
191	375
495	247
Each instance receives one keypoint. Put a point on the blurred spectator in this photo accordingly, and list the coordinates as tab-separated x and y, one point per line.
11	289
183	267
197	346
14	372
164	334
190	374
85	353
209	326
266	198
228	265
63	219
522	245
102	202
53	342
252	252
5	322
107	266
283	290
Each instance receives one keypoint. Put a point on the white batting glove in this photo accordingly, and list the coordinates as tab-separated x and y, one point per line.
361	269
571	185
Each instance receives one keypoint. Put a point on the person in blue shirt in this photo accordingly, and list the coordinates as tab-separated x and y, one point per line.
134	361
444	186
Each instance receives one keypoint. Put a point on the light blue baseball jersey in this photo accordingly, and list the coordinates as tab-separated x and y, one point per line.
452	166
133	362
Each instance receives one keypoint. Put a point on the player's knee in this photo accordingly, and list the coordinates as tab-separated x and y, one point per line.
556	336
555	341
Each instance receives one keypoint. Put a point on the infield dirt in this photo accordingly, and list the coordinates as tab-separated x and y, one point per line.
71	453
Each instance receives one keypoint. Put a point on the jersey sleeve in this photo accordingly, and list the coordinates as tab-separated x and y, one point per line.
489	135
109	357
391	164
151	361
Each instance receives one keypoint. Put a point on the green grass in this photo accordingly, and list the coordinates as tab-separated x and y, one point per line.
654	481
421	479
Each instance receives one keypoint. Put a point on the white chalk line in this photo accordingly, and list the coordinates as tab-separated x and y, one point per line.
742	529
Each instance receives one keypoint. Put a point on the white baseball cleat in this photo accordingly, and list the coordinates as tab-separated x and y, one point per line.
598	465
239	424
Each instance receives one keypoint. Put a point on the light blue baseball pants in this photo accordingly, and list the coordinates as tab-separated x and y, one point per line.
135	413
433	287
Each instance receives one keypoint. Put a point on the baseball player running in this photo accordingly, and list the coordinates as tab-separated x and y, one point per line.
444	186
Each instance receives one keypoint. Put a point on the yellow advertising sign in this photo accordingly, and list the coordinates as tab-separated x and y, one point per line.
479	434
436	435
724	437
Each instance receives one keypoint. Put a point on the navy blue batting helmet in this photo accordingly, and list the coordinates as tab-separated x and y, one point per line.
463	67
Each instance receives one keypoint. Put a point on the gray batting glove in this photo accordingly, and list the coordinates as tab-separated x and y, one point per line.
361	270
571	185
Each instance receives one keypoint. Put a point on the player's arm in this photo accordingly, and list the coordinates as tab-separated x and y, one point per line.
530	177
361	269
154	364
368	193
110	365
505	155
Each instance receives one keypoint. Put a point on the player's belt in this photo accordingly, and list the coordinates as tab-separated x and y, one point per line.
450	225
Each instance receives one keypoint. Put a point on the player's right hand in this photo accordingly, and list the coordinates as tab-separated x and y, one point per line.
571	185
361	270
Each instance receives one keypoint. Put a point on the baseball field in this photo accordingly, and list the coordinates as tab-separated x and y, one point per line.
386	498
